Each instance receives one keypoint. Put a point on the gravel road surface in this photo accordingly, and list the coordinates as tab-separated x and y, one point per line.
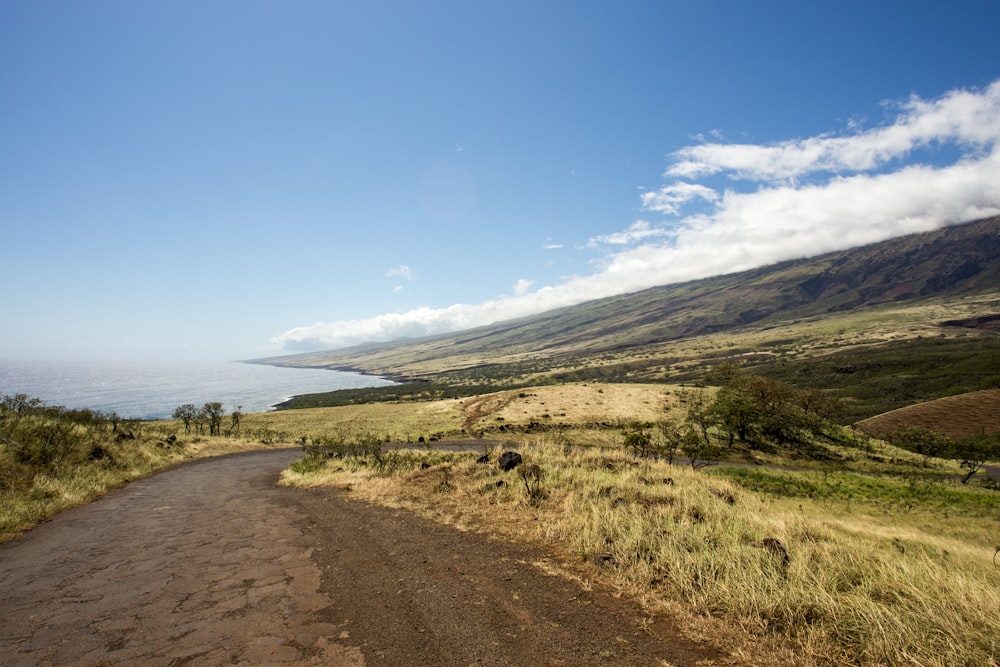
210	563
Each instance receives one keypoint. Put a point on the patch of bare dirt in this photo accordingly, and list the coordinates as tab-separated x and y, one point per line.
410	591
478	407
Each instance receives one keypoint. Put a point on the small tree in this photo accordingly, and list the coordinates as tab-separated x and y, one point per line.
531	474
671	439
187	413
213	413
973	453
638	440
735	413
675	438
234	421
922	440
700	414
700	453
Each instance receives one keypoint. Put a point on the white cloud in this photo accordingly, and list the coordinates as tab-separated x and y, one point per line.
669	198
552	246
401	271
860	191
966	118
522	286
637	231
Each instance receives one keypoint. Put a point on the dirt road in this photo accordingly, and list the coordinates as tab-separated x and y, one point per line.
211	564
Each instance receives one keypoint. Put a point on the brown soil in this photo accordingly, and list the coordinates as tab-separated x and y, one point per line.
212	564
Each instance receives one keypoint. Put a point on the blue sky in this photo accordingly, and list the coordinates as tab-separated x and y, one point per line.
227	180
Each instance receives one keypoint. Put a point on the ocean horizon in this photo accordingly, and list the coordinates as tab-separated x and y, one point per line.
153	390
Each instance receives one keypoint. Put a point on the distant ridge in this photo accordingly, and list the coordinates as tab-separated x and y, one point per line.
953	262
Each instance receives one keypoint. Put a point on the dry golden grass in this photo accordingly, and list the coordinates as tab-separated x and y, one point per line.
587	413
863	583
585	402
393	422
966	415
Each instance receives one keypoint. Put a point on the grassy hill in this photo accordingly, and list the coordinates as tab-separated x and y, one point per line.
902	300
963	416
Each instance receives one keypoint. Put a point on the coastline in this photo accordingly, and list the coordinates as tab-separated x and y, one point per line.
153	390
395	378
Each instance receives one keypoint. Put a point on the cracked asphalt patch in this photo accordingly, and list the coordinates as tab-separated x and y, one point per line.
211	564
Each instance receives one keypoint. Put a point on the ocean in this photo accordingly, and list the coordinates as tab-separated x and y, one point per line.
154	390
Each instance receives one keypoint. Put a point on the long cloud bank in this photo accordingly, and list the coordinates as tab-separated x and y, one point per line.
805	197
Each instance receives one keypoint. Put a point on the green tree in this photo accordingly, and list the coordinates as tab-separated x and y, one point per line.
973	453
638	440
922	440
671	439
701	415
735	413
756	409
187	413
700	453
213	412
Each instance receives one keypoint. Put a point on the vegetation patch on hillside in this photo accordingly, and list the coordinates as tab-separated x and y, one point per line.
877	379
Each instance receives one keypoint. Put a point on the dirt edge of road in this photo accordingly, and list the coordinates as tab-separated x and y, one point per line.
408	590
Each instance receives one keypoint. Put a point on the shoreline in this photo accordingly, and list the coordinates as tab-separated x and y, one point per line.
395	378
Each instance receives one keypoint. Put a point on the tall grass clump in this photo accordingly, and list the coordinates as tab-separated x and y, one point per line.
800	588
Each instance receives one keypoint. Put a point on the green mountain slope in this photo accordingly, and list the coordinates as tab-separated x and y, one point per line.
947	264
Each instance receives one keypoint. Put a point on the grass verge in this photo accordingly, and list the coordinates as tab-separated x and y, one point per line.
52	459
871	572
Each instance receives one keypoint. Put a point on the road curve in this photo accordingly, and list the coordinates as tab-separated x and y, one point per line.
212	564
194	565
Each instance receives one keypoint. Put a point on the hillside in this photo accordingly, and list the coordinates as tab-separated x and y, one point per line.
962	416
946	281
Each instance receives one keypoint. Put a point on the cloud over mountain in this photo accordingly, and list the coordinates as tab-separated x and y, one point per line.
728	207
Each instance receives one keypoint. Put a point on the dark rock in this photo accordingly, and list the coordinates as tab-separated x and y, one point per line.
510	460
776	549
724	496
603	559
485	458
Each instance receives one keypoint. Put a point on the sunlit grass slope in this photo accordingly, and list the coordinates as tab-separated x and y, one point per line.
824	568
